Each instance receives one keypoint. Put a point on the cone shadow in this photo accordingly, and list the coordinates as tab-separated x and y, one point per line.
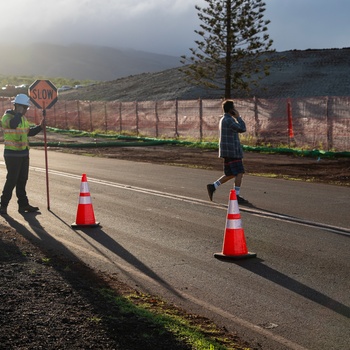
106	241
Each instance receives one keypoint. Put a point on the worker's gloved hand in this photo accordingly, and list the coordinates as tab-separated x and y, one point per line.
16	120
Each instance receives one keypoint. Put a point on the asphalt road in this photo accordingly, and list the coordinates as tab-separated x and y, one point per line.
159	232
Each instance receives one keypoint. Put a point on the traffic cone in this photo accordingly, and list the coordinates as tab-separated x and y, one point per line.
234	246
85	213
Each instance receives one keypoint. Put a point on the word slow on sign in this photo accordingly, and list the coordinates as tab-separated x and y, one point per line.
43	94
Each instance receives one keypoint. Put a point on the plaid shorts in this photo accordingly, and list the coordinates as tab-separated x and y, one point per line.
233	166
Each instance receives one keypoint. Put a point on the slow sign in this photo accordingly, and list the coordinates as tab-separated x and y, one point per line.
43	94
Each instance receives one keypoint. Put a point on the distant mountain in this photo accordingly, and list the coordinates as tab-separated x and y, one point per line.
81	62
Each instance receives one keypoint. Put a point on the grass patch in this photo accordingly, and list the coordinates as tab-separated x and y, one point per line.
195	331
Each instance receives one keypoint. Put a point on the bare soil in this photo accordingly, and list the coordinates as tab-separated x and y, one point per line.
288	166
50	302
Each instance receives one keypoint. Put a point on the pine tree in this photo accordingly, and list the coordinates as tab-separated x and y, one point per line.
230	55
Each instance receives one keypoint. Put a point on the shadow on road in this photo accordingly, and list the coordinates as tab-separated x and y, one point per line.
106	241
258	267
101	237
75	311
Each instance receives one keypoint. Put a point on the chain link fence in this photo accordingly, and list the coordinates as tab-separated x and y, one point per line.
321	123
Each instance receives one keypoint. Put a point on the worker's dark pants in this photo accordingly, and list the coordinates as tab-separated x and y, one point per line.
17	176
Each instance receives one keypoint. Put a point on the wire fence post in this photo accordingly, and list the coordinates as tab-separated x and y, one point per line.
54	114
66	113
78	111
120	118
137	118
176	118
90	112
329	119
157	118
200	120
106	117
256	118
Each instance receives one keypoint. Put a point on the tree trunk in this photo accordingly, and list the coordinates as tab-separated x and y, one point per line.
228	57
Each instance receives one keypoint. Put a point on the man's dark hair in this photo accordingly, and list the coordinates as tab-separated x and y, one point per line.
228	105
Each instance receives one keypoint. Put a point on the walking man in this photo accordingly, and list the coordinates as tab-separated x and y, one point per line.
16	153
230	149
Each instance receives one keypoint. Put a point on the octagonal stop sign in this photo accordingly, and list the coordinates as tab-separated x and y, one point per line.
43	94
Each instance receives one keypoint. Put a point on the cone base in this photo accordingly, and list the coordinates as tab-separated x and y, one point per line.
221	256
75	225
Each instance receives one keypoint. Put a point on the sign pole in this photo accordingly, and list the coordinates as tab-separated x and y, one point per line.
44	95
46	160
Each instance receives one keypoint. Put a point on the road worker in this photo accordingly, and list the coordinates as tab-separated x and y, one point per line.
16	130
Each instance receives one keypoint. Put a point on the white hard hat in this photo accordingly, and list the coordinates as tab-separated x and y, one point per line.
22	99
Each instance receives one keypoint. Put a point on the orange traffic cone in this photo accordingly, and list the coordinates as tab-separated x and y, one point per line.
85	213
234	246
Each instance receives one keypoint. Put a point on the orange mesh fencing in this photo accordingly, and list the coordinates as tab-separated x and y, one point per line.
315	122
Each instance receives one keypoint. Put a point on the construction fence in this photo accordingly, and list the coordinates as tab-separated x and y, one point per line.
321	123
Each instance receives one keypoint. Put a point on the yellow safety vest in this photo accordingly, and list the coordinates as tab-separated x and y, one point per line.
15	139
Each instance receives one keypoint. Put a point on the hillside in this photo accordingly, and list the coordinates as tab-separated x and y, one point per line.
292	74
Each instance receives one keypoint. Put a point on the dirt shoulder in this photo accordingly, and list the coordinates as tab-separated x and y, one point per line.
288	166
331	171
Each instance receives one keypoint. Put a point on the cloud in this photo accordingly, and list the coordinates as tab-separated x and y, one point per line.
300	24
156	25
164	26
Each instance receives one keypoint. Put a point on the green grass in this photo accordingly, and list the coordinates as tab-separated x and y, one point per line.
199	333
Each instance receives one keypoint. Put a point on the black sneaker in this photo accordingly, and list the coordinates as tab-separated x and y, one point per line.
3	210
211	190
241	200
28	209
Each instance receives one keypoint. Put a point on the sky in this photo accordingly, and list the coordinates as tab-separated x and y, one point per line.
165	26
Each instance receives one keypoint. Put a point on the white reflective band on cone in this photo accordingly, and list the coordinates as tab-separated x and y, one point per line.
84	200
233	224
84	187
233	207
